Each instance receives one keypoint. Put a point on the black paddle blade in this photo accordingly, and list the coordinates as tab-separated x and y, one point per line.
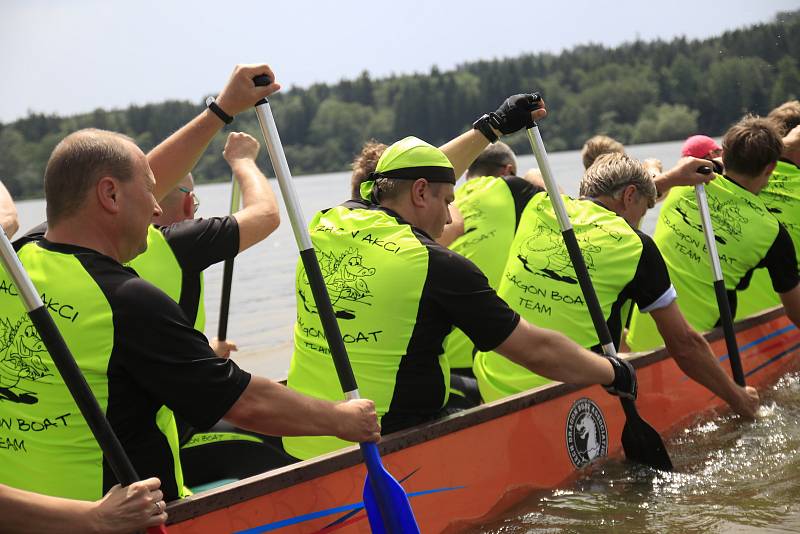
641	442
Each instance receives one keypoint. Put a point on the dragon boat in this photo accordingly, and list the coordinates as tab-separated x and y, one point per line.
472	466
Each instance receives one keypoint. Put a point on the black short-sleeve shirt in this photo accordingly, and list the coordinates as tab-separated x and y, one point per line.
198	244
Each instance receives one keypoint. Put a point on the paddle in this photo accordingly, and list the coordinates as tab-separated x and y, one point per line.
73	378
227	272
386	502
640	441
719	283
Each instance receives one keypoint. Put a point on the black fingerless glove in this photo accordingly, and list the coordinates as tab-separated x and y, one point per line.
624	384
515	113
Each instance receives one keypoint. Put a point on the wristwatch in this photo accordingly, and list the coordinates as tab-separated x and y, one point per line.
218	111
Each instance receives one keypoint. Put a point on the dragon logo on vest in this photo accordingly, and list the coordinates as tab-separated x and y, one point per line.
21	351
344	277
725	216
587	436
543	253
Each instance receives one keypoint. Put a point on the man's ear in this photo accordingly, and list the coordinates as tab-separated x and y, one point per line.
629	195
419	191
108	191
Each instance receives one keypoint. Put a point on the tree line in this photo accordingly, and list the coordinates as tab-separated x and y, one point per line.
638	92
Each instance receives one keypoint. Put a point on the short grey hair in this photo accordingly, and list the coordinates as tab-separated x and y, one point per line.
611	173
493	157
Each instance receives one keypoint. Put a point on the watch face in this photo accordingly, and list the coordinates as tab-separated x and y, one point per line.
209	100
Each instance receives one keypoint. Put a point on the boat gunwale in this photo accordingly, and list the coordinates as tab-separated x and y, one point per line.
278	479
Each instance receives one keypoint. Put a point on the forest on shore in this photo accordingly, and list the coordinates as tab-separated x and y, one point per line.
638	92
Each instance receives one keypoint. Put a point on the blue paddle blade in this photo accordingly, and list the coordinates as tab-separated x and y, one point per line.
385	500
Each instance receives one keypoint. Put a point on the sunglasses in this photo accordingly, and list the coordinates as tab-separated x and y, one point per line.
195	200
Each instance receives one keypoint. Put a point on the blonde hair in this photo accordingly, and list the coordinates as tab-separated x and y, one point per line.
610	174
597	146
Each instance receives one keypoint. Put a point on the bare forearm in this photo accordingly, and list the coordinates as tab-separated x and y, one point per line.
25	512
463	150
272	409
259	215
695	358
555	356
175	157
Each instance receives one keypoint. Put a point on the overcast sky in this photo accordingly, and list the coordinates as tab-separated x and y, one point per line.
70	56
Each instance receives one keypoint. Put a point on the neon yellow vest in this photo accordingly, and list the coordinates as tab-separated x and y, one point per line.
374	269
159	266
782	198
539	282
489	215
745	230
45	444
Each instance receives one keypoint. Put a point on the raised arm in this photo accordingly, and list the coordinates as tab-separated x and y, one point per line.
8	212
693	355
259	215
174	157
270	408
516	113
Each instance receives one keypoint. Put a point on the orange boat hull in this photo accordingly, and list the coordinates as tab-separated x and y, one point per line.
474	465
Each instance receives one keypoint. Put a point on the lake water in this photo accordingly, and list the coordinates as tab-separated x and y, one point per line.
730	476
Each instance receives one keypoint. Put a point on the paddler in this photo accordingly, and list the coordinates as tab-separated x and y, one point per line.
180	247
748	236
782	198
539	282
138	351
397	293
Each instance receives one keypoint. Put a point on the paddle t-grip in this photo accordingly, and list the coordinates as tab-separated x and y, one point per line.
262	80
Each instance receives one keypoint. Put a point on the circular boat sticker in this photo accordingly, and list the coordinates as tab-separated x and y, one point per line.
587	436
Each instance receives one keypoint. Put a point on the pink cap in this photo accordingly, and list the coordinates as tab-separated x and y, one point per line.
699	146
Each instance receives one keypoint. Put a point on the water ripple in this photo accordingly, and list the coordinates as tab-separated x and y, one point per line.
731	476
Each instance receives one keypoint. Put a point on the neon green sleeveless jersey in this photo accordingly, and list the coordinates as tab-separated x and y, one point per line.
782	198
539	282
489	215
45	444
370	262
159	266
745	230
